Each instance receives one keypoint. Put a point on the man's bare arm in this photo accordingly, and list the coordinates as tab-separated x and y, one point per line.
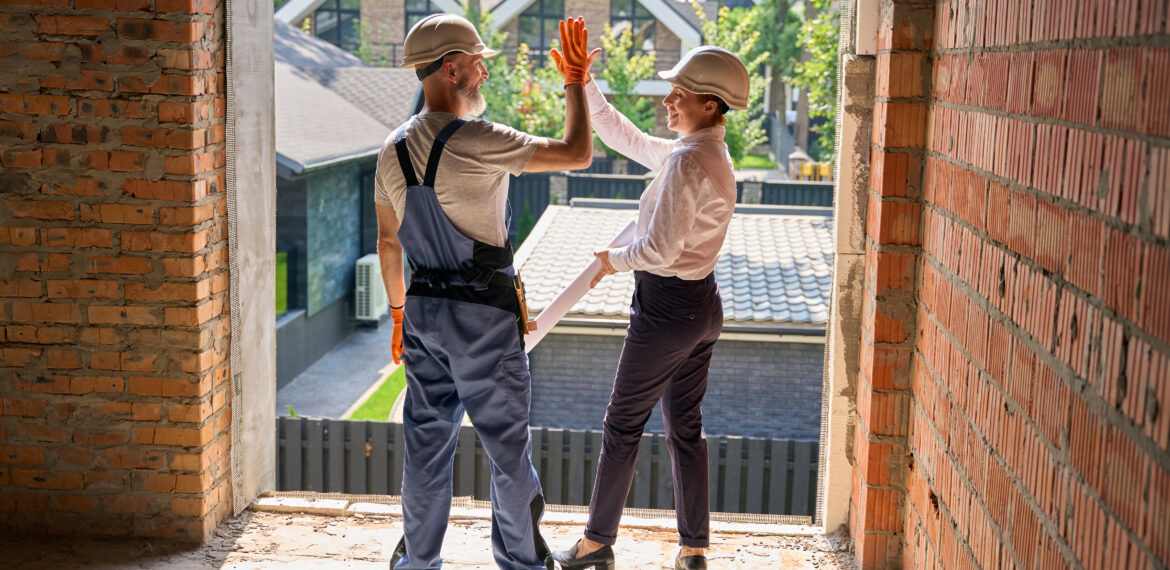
390	255
576	150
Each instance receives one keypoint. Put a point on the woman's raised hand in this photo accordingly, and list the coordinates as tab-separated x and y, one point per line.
574	62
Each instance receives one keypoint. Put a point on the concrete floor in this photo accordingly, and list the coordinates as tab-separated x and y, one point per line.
331	385
269	540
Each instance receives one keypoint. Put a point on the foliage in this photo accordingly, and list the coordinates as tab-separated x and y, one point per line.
622	70
738	31
818	75
292	412
373	44
281	282
379	405
519	93
755	161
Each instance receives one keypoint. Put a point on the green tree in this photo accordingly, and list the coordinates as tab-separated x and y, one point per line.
738	31
818	75
519	93
374	44
622	70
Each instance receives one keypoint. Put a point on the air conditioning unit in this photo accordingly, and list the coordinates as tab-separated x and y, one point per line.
371	303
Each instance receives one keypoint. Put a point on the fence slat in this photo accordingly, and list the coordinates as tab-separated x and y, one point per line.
553	488
644	473
800	478
576	493
281	443
465	464
732	471
356	474
713	445
483	476
293	451
315	456
335	483
663	486
595	444
778	476
397	452
379	469
755	477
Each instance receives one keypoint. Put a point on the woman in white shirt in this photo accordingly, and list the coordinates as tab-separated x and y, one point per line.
676	314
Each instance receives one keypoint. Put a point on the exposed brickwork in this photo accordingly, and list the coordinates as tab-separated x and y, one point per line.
1040	367
113	277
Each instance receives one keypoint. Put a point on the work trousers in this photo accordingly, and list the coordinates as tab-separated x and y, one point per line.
467	357
674	324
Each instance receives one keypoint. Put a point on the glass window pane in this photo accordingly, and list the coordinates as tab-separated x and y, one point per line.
554	8
619	26
351	4
648	37
552	32
348	29
620	9
416	5
641	10
326	24
529	33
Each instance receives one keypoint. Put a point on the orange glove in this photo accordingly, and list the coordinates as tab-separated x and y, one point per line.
396	338
575	61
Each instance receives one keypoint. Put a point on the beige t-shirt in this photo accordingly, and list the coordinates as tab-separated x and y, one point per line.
472	180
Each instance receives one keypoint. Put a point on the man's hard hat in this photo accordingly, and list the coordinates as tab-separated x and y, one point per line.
436	35
710	70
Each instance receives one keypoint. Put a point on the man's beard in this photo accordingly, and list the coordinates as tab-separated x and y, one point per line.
472	98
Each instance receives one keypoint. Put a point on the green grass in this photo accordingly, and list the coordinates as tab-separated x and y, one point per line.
378	406
281	282
756	161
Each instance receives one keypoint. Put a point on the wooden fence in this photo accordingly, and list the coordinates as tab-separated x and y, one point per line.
747	475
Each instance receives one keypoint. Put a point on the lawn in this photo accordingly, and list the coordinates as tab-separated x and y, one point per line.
378	406
756	161
281	282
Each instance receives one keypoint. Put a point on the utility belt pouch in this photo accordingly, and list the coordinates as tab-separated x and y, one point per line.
526	326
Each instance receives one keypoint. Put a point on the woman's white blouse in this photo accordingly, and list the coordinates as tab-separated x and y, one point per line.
683	214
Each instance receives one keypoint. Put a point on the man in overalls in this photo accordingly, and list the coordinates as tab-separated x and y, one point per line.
460	332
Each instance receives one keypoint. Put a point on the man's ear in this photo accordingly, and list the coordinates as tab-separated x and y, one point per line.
450	71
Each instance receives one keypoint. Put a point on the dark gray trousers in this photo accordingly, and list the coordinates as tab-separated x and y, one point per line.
674	324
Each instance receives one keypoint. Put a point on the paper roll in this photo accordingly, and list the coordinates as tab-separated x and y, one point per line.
573	292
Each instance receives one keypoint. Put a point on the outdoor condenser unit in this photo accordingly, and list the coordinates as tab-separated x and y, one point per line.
371	303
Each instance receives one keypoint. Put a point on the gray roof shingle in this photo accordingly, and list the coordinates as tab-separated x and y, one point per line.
329	105
774	268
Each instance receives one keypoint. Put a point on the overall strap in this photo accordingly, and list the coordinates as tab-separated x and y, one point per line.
404	158
437	151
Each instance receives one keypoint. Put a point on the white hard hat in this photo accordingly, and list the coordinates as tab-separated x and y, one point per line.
710	70
436	35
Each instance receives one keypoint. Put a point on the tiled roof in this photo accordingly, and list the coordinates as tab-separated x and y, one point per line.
774	267
329	105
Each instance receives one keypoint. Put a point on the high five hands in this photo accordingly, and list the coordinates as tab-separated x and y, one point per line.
575	61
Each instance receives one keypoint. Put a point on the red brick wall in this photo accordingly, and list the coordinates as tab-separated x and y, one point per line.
113	275
1039	367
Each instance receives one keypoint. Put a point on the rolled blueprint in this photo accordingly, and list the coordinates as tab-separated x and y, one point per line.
573	292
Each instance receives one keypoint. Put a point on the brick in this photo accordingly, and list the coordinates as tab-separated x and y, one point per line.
99	335
168	291
22	455
186	6
118	5
63	359
120	108
184	111
20	288
71	25
98	384
190	164
82	289
1121	98
1157	108
82	187
159	30
187	59
122	314
898	223
46	312
38	479
1122	260
25	408
21	159
130	459
99	437
169	190
75	503
1155	292
188	216
120	264
161	241
1086	252
117	213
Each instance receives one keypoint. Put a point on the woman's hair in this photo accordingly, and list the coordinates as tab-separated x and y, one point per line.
722	108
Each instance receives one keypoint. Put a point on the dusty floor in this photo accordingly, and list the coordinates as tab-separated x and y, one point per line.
275	540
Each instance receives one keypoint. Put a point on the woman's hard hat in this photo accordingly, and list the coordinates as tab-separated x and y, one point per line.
710	70
439	34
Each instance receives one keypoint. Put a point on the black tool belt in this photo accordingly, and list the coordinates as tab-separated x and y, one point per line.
472	285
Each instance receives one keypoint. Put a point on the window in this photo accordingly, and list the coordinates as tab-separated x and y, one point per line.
336	22
419	9
538	27
631	15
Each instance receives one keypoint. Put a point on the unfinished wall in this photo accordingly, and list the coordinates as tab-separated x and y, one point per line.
1038	425
113	268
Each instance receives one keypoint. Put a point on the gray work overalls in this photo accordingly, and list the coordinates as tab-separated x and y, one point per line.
463	350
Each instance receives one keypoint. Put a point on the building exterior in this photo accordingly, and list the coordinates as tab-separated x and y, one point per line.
773	273
332	115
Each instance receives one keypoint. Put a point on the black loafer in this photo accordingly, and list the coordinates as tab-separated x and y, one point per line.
399	551
696	562
600	559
